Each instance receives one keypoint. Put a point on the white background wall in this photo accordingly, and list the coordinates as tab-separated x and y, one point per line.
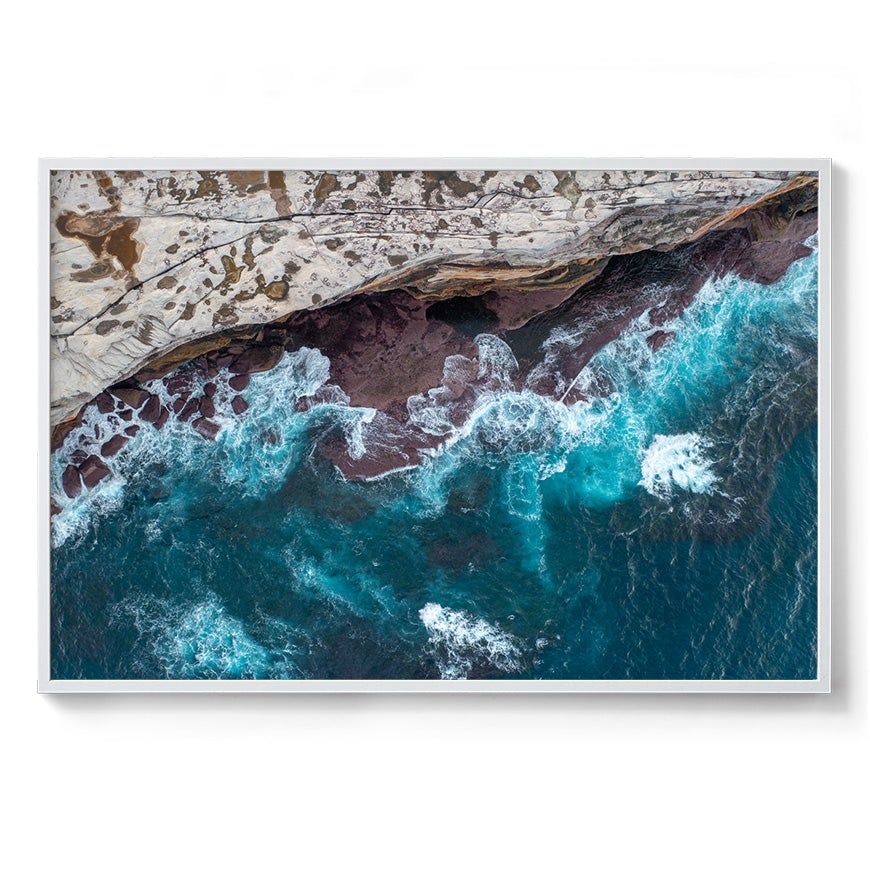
128	782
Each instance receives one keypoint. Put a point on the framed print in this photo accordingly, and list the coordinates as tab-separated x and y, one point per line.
514	425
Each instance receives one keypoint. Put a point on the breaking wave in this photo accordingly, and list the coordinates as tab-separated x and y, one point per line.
676	461
461	643
196	641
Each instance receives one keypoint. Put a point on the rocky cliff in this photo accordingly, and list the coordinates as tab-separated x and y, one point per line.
149	269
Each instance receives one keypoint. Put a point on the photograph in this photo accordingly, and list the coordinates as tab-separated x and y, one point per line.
435	436
504	427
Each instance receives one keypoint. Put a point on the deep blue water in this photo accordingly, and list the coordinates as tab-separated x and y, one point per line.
666	529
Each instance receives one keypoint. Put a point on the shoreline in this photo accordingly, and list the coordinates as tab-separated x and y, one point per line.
389	347
151	269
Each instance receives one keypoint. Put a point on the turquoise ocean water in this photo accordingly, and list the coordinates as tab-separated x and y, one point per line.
664	529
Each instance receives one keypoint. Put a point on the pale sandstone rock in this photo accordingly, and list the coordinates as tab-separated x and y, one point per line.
143	263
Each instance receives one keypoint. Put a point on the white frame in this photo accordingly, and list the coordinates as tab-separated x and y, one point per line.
822	683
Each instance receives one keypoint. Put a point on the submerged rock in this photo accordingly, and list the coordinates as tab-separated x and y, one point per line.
659	339
207	428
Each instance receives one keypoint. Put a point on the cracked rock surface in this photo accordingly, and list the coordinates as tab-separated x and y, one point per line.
150	268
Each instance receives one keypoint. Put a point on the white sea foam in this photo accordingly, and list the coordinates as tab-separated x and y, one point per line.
433	411
498	365
194	641
460	641
240	453
430	411
676	461
207	641
153	530
329	578
78	513
510	426
355	424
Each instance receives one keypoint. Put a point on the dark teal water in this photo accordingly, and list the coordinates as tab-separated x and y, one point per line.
666	529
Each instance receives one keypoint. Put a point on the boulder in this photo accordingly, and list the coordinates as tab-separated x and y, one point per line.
131	430
239	382
105	403
160	422
259	358
132	396
59	433
210	389
113	445
191	408
177	384
72	481
151	410
207	428
206	406
239	405
93	470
